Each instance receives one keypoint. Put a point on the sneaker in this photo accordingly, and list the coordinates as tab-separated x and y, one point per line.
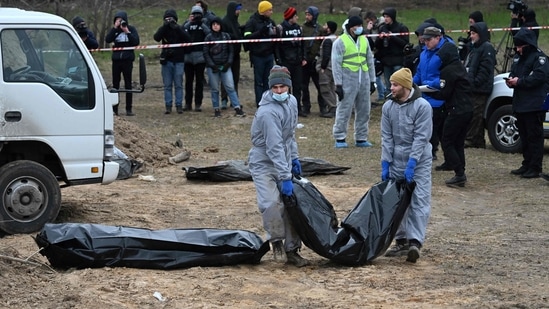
341	144
295	259
217	113
198	108
363	144
278	251
223	104
179	109
302	114
413	253
130	113
544	176
400	248
530	174
168	110
519	171
456	181
238	112
187	108
443	167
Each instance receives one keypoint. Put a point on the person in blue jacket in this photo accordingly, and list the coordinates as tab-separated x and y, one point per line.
428	74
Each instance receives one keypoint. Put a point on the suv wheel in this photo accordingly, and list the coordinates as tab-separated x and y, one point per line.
502	130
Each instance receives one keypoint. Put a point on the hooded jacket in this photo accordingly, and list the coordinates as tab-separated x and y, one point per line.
392	54
532	71
232	27
312	28
122	39
90	41
273	137
455	86
217	54
481	61
172	34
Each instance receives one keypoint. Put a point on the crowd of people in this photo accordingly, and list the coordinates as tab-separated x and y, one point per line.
432	94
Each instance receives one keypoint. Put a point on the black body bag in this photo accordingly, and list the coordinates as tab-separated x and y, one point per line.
78	245
364	234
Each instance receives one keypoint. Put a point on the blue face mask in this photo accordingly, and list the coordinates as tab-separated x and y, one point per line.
359	30
281	97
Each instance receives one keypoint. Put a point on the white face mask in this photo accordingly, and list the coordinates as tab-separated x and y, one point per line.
281	97
358	31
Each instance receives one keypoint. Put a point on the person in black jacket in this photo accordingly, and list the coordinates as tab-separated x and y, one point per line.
122	34
324	69
261	26
194	60
219	58
390	48
85	33
291	54
233	28
480	64
529	78
172	59
455	89
527	18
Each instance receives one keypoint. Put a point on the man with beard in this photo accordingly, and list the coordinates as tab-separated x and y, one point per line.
406	127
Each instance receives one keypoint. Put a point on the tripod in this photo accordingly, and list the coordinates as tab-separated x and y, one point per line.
509	52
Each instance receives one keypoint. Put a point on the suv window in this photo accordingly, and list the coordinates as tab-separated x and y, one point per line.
50	57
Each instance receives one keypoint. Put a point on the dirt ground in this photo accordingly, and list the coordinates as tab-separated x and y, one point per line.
487	244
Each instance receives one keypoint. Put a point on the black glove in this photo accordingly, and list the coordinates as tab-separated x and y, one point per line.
339	92
372	87
173	24
408	49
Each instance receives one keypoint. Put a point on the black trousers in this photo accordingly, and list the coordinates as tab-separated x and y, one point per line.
296	72
309	72
453	141
530	127
124	68
439	115
192	71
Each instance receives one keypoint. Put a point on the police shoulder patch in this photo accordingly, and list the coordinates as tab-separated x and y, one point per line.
542	60
442	83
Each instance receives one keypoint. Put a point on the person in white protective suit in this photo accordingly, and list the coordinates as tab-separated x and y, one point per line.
406	128
272	160
354	77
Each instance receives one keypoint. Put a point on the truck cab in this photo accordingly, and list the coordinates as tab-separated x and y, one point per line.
56	118
500	121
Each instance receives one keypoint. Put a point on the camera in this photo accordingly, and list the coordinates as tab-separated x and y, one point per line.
462	42
517	6
123	23
81	29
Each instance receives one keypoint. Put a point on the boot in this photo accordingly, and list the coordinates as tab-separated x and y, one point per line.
295	259
278	251
168	110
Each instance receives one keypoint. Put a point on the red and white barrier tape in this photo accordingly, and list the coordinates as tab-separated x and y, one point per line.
160	46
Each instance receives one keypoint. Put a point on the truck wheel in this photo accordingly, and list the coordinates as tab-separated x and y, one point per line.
503	132
30	197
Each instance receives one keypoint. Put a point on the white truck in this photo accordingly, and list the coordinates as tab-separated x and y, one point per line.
56	118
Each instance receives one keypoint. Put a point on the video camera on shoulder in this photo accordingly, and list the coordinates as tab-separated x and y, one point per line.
517	6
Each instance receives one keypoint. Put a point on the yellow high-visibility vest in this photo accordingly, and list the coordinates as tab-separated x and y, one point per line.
354	58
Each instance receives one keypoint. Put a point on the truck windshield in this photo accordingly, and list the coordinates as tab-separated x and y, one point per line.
51	57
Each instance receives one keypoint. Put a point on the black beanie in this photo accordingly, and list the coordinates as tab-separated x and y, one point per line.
476	16
170	13
354	21
332	26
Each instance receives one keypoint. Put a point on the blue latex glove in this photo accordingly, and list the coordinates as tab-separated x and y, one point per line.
296	167
287	187
409	172
385	170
